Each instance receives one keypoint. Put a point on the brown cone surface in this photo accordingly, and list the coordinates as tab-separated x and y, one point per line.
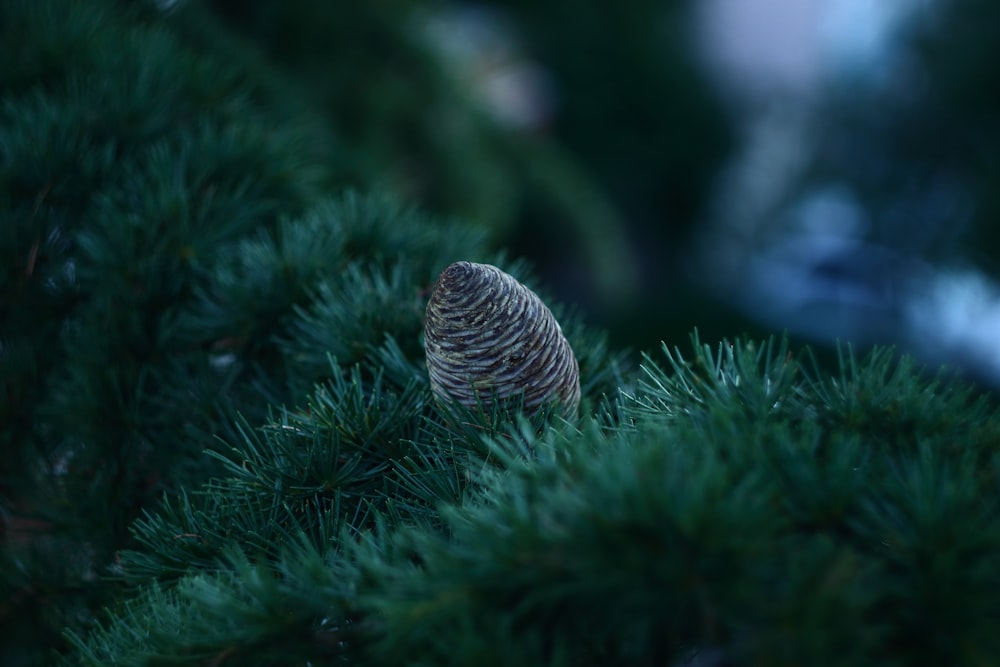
487	333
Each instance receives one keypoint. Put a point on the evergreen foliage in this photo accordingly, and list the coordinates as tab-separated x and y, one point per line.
220	446
128	168
738	503
167	250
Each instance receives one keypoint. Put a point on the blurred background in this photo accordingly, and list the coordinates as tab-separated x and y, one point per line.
860	203
823	167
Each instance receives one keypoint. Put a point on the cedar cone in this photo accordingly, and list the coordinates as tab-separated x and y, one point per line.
487	334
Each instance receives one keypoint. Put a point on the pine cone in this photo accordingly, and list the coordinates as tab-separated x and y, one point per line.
487	334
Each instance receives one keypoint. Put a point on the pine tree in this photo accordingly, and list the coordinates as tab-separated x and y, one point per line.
130	168
174	256
739	505
221	446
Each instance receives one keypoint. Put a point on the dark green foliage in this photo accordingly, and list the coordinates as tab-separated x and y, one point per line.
170	259
220	446
117	149
169	262
149	279
714	510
